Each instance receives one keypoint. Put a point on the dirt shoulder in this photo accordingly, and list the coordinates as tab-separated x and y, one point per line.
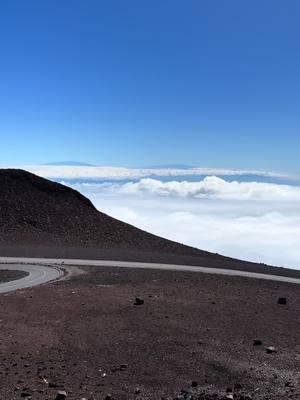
87	337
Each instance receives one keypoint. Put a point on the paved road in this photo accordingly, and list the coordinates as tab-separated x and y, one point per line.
37	274
41	274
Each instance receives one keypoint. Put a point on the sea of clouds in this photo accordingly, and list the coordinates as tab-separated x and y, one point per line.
251	215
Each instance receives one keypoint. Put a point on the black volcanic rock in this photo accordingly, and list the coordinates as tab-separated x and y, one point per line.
36	211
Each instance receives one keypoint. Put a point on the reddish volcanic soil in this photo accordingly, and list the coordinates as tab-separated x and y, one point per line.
86	336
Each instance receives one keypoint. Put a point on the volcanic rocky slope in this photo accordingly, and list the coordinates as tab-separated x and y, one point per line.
41	218
36	211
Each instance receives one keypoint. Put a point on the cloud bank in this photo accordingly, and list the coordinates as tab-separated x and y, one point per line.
253	215
116	173
248	220
215	188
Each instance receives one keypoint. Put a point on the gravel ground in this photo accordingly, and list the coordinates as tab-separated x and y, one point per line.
8	275
86	336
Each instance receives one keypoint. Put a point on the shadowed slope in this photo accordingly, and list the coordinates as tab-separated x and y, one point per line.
41	218
36	211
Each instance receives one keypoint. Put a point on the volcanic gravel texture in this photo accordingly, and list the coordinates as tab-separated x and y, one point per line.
191	339
41	218
36	211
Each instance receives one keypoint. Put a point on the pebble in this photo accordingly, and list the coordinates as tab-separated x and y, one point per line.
138	301
26	394
61	395
271	349
282	300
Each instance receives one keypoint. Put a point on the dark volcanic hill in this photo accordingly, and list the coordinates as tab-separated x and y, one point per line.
36	211
42	218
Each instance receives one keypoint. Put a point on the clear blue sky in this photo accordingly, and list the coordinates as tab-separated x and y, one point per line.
136	82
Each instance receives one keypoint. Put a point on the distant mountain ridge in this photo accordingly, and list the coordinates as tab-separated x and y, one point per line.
168	166
70	163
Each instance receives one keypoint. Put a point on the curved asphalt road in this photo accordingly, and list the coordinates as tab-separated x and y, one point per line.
39	273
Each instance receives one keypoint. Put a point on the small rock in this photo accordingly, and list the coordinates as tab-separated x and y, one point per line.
271	349
137	391
194	384
282	300
61	395
257	342
138	301
25	394
237	386
53	385
108	397
123	367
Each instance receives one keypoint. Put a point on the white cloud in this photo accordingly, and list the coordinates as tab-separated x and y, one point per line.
210	187
259	222
89	172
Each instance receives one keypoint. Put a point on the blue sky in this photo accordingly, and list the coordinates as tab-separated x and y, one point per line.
212	83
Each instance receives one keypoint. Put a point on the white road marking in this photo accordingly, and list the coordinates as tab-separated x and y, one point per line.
37	274
49	273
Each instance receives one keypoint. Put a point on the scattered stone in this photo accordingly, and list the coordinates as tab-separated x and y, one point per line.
53	385
26	394
61	395
282	300
271	349
138	301
257	342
